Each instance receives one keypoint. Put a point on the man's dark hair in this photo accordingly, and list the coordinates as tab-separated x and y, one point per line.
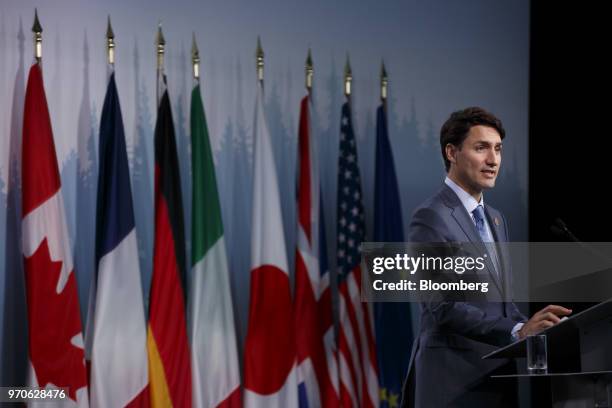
457	127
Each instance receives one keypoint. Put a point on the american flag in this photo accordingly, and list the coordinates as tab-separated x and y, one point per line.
357	351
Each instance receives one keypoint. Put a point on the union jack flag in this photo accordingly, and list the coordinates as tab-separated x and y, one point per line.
316	347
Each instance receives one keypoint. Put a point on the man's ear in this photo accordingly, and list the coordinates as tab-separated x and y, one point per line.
451	152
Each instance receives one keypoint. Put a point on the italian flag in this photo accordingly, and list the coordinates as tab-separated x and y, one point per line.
214	357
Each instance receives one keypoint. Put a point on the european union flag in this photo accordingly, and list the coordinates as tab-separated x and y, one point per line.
393	321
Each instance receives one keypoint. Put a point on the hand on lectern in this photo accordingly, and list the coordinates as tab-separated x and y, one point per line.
543	319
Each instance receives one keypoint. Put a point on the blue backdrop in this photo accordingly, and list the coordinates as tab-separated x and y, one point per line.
441	56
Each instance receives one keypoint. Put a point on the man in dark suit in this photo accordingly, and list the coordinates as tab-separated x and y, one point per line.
446	367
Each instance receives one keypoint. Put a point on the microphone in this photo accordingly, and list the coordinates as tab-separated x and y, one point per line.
559	228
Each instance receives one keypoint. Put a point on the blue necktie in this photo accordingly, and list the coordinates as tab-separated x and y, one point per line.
479	217
485	236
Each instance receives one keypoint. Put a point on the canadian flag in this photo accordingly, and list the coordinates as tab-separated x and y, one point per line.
56	352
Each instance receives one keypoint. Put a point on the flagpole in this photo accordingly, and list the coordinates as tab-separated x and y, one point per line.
259	55
195	60
110	48
37	30
384	86
348	78
309	73
161	46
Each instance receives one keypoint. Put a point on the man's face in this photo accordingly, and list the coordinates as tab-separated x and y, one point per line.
475	165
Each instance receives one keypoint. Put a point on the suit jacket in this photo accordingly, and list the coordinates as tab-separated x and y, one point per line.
446	366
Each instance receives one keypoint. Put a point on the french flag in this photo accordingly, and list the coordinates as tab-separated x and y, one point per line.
119	369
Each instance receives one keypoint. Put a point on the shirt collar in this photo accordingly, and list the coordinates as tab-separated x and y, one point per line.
466	199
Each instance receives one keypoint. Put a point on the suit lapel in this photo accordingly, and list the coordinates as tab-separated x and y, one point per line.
466	224
498	228
495	223
460	214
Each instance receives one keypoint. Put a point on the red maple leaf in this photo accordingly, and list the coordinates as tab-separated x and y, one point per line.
54	319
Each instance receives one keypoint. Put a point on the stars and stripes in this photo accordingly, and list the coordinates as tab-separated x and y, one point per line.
357	353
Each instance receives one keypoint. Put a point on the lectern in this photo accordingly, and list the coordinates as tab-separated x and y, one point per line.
579	359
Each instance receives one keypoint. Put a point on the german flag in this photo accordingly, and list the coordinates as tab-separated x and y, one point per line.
169	370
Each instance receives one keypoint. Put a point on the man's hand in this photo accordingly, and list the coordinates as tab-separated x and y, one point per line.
545	318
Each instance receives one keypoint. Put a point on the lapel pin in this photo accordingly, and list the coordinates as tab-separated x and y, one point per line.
497	221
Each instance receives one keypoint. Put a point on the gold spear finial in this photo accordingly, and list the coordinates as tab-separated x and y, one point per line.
309	71
110	42
37	30
161	45
195	58
384	82
348	77
259	54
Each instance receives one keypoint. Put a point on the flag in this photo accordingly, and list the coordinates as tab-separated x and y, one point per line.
56	351
356	345
392	320
119	369
214	357
316	351
169	367
269	356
